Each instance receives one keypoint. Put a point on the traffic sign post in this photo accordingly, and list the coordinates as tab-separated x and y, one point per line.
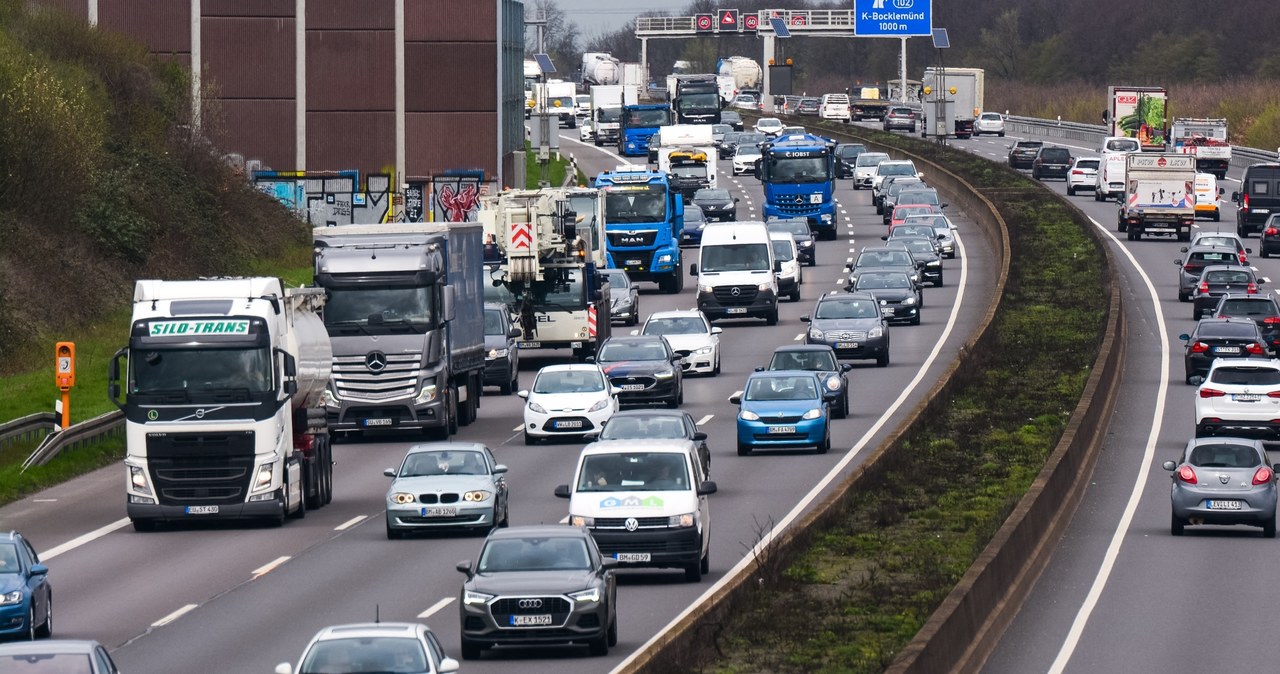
64	375
727	21
751	22
892	18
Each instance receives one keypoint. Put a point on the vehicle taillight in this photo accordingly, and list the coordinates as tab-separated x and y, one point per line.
1199	347
1272	231
1262	476
1187	475
1274	394
1253	288
1244	202
1204	287
1271	320
1075	172
1254	348
1244	259
1211	393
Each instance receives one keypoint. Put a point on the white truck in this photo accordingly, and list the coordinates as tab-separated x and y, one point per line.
1207	140
1138	112
600	68
607	102
224	410
557	97
962	89
688	153
1159	196
634	74
746	73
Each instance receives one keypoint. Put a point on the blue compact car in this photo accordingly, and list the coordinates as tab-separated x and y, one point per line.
782	408
26	598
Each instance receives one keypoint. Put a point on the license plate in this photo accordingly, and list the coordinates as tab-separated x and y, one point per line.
573	423
377	422
1262	210
1246	397
782	429
202	510
888	311
632	387
634	262
530	620
439	512
633	556
846	345
1224	505
736	310
1227	349
531	345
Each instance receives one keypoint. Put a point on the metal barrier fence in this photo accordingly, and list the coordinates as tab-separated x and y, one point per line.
1094	133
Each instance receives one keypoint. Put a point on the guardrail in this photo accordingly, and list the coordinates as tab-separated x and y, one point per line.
40	423
1240	156
85	432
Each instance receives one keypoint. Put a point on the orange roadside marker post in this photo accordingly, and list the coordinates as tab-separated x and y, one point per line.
65	377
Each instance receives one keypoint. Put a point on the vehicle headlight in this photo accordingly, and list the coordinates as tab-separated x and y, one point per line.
663	259
875	333
683	521
748	415
582	521
138	478
915	278
815	333
401	498
472	598
705	289
599	406
935	263
11	598
806	244
765	286
665	375
703	351
497	353
909	301
833	383
265	473
812	414
428	393
586	596
476	496
535	407
624	301
330	398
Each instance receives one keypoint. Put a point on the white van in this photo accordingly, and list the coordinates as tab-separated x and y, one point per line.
1207	196
834	106
735	271
1110	181
645	502
789	275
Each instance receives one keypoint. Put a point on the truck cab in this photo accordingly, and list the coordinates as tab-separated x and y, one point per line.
798	172
638	125
644	216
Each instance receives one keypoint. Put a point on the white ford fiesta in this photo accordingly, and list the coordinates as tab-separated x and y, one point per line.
567	401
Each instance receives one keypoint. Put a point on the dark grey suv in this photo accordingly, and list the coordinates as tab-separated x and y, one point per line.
852	325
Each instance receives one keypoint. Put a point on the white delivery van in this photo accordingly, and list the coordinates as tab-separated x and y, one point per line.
645	503
1110	181
735	271
834	106
1207	196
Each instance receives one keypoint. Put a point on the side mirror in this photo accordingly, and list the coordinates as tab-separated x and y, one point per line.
1235	196
944	204
464	567
805	318
500	469
390	472
676	358
448	666
608	563
736	399
845	367
1183	249
699	436
735	200
614	390
1172	465
1184	337
591	437
716	330
707	487
523	394
514	332
1221	191
284	668
1275	467
777	266
589	359
1248	251
759	368
39	570
1177	262
885	237
562	491
693	268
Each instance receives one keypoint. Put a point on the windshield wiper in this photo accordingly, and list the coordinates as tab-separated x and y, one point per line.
348	327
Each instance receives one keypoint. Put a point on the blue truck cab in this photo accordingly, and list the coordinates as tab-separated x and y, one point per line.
798	173
643	220
639	124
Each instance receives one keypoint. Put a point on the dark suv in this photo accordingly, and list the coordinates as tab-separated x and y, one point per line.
1051	162
900	118
1022	154
1259	196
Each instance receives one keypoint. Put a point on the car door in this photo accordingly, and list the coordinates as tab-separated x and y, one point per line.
704	504
499	480
39	584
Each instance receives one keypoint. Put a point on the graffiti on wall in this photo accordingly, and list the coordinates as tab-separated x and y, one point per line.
456	195
326	199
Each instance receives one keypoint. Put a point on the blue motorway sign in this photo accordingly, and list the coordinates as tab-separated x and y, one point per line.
892	18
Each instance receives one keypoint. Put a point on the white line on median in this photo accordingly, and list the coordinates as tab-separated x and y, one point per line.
436	607
86	538
351	522
270	566
705	419
175	615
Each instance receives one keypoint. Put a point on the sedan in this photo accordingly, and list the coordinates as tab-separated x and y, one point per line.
1270	243
799	230
990	123
1217	281
819	359
732	118
694	222
544	584
1240	397
64	656
569	400
1223	481
769	126
883	259
26	596
644	369
925	253
445	485
658	425
847	158
1262	309
389	646
624	296
900	299
691	336
745	159
717	204
782	408
1083	175
1216	338
852	325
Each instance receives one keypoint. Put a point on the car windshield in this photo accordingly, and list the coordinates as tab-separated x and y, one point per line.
444	462
676	325
618	280
781	388
365	654
932	219
1245	376
744	152
534	554
751	138
818	361
1249	307
712	195
1087	164
887	169
793	227
783	250
627	427
608	114
769	124
918	246
633	471
871	158
918	197
1224	455
846	309
46	663
568	381
735	257
613	352
689	170
493	322
849	151
884	258
874	281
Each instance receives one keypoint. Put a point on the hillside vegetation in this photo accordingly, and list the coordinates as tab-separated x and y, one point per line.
104	183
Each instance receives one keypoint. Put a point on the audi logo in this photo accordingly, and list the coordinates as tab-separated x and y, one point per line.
529	603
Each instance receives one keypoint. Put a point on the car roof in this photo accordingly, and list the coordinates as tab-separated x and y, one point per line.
447	447
1210	323
675	313
649	412
636	339
540	531
647	445
49	646
365	630
1211	248
780	373
570	367
1252	297
787	348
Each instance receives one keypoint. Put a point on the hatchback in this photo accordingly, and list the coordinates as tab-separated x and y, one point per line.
847	157
901	118
644	369
989	123
374	647
821	359
1261	308
26	596
60	656
1217	281
900	299
782	408
769	126
446	485
624	295
1216	338
1240	397
567	401
808	107
1270	243
1051	162
745	159
732	118
691	336
864	168
1022	154
1083	175
799	230
501	349
1226	239
1223	481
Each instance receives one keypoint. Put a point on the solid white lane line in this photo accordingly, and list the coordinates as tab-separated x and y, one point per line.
81	540
44	500
521	426
351	522
270	566
798	337
1139	482
704	420
174	616
836	471
436	607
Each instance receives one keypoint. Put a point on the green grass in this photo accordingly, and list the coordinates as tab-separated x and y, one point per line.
555	169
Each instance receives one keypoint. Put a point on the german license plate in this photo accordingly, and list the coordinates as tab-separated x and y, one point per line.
572	423
202	510
530	620
736	310
632	387
634	263
846	345
439	512
377	422
1246	397
1224	505
531	345
782	429
633	556
1227	349
888	311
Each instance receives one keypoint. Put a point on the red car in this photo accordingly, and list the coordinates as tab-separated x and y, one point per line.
901	211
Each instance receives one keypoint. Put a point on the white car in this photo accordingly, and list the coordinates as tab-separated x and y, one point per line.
691	335
1240	397
864	168
834	106
786	253
893	167
398	647
745	102
567	401
744	160
1083	175
769	126
586	133
989	122
582	106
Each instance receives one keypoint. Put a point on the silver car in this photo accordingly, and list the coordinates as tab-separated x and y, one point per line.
624	297
444	485
989	122
72	656
1223	481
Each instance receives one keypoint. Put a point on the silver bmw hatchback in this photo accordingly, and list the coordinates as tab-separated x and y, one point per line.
1223	481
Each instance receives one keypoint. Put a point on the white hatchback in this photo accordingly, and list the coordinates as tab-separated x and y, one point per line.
691	335
1240	397
567	401
769	126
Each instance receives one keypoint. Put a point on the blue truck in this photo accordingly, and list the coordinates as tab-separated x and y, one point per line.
643	219
638	125
798	172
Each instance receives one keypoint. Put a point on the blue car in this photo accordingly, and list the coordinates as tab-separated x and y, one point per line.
694	222
26	598
782	408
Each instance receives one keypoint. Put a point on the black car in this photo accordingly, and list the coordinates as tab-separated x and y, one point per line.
1270	235
890	189
799	230
725	145
925	252
753	138
1051	162
900	299
645	368
544	584
1220	338
1022	154
624	297
1260	308
852	325
656	424
717	204
846	157
694	222
883	258
819	358
1194	261
1216	281
1258	197
501	349
732	118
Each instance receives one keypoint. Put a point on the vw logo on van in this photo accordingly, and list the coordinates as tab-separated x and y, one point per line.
631	524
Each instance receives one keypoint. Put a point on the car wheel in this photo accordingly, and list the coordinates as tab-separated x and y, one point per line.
844	405
471	650
599	647
613	632
916	319
825	445
938	283
744	450
393	534
1269	527
1217	216
530	440
1183	297
1178	526
1001	134
883	359
1262	252
716	370
1187	378
794	296
45	631
506	388
693	572
772	318
31	621
515	381
705	564
506	516
1071	191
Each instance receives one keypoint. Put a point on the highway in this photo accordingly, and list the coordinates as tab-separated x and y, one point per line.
234	598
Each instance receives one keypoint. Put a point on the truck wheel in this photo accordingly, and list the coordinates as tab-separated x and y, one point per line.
453	414
772	318
144	526
1121	225
326	469
313	490
304	487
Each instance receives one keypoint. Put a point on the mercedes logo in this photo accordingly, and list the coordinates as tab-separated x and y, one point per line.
1223	478
736	291
529	603
631	524
376	361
